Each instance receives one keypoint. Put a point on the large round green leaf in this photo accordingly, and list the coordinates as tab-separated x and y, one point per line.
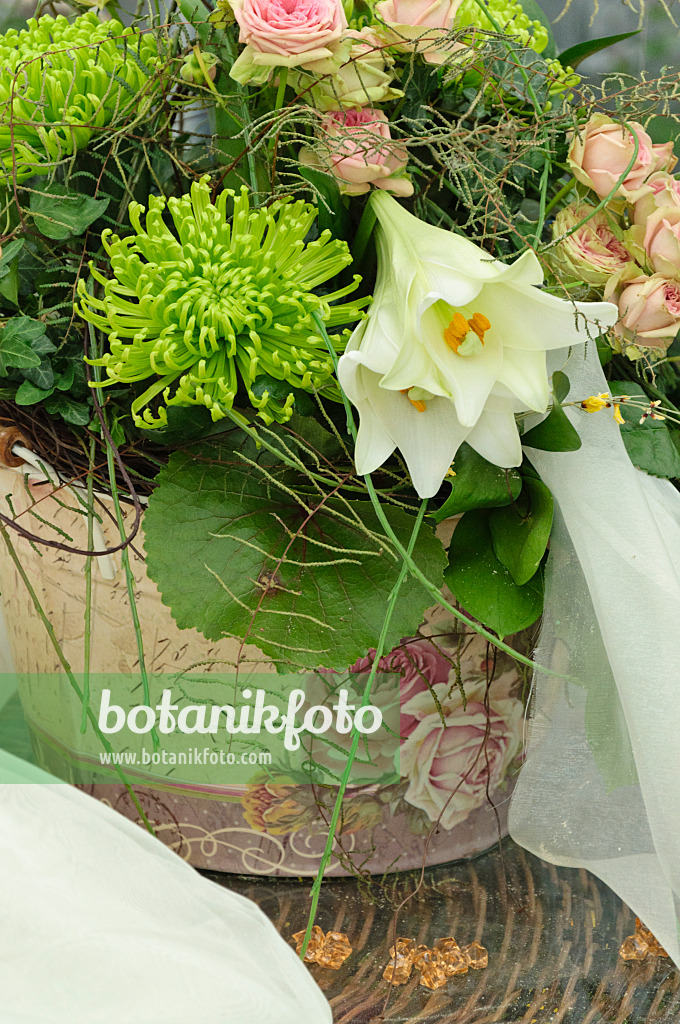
307	581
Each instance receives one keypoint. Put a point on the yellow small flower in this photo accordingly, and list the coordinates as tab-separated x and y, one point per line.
596	402
617	414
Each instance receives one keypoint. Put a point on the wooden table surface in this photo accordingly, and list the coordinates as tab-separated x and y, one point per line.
553	936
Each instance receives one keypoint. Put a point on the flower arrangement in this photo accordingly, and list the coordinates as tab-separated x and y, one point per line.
315	282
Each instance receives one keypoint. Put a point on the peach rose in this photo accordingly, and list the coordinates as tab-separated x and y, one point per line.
409	21
593	252
660	189
439	757
601	152
285	33
358	149
650	312
664	156
662	240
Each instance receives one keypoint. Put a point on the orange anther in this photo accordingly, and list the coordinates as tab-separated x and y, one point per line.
480	325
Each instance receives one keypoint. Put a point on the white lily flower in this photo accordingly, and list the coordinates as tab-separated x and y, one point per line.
454	346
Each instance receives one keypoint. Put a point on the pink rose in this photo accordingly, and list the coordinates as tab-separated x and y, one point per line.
286	33
357	148
650	312
593	253
418	662
601	152
662	240
660	190
410	19
440	757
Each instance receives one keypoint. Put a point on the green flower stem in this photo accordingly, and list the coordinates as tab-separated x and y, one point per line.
379	651
69	673
281	91
564	191
364	232
88	589
125	560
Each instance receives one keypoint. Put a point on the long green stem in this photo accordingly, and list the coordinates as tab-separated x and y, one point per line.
88	590
124	555
564	191
379	651
69	673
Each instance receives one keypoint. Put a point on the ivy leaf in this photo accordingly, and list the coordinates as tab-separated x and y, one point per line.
650	445
15	349
78	414
520	534
9	271
9	254
581	51
477	484
235	555
42	375
554	434
482	584
58	213
28	394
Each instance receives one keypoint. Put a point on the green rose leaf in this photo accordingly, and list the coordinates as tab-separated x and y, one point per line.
58	213
520	533
554	434
483	585
234	554
477	484
650	445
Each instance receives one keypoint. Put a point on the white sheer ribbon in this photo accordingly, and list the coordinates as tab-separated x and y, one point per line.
600	788
103	924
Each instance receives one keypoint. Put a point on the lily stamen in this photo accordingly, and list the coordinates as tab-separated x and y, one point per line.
457	331
459	328
480	325
417	403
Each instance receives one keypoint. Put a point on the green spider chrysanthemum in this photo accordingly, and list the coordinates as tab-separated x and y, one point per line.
61	82
218	301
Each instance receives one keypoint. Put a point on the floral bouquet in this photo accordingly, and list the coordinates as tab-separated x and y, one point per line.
366	312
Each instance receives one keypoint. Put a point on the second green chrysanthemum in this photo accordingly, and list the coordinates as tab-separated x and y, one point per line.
217	302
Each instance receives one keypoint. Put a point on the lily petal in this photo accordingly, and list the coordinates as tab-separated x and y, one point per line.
535	320
428	440
374	442
526	376
495	436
